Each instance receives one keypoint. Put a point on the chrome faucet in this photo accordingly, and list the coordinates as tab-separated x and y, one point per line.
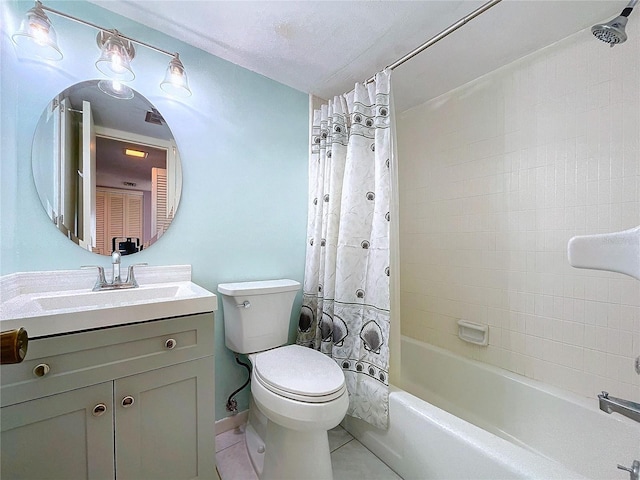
634	470
623	407
115	263
116	278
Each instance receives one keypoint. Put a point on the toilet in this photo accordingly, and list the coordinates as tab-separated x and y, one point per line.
297	393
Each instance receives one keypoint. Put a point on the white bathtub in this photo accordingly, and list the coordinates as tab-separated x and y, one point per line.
497	425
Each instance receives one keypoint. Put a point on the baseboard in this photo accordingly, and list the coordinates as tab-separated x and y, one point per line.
229	423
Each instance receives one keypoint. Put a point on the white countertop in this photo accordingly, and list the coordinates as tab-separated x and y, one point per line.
60	302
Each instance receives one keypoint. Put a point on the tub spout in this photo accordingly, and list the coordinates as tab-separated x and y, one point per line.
623	407
634	470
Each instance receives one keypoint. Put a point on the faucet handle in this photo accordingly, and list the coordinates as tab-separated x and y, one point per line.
100	269
101	278
130	275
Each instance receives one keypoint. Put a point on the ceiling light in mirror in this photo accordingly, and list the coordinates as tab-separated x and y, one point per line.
98	197
135	153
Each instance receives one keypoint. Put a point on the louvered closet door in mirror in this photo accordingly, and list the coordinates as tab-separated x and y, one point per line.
120	215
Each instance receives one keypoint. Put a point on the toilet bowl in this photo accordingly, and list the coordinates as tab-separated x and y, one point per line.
298	394
300	387
299	412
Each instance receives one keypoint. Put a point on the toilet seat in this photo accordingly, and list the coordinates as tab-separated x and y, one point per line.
299	373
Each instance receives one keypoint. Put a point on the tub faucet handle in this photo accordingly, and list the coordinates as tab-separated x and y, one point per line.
634	470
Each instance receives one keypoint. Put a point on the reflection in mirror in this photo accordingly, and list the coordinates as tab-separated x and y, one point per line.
107	170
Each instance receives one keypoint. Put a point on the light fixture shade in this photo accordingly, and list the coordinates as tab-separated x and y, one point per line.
115	59
115	89
36	36
175	80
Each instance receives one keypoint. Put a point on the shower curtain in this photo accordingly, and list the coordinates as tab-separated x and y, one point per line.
346	311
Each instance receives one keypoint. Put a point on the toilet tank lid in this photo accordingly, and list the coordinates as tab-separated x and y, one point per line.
259	287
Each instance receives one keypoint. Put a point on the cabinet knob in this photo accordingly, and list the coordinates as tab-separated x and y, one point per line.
41	369
99	409
128	401
170	344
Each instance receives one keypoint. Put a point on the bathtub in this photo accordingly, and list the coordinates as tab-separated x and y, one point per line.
454	418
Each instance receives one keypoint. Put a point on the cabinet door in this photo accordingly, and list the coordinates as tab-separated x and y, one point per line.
167	428
59	437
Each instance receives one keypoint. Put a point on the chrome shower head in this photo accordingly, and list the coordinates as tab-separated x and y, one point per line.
613	32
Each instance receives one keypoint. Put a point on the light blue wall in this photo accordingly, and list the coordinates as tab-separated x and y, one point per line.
243	143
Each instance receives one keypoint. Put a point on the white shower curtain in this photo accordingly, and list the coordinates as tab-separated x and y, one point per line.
346	311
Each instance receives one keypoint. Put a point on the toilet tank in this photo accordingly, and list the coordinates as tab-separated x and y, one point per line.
257	314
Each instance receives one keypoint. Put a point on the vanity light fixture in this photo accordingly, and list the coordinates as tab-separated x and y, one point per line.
37	37
116	56
175	79
136	153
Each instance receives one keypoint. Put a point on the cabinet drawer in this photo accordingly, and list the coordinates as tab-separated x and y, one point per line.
76	360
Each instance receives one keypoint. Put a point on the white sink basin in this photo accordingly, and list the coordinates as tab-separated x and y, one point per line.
106	298
29	301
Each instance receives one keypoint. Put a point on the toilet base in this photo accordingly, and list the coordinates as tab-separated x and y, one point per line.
255	449
294	454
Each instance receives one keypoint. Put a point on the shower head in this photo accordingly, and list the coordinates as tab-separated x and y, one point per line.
613	32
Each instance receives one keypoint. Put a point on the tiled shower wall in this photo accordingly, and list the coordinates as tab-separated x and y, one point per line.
495	178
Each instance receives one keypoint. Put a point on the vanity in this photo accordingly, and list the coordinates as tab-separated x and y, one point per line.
115	384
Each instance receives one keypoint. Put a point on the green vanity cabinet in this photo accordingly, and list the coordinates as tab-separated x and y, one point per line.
128	402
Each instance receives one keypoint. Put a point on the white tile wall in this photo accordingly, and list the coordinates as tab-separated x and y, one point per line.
495	177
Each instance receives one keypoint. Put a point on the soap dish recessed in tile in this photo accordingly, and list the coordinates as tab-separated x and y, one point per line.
473	332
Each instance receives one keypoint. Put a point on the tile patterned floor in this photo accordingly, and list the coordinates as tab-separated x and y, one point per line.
350	459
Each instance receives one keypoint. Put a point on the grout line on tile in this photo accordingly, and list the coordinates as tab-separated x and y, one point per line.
346	443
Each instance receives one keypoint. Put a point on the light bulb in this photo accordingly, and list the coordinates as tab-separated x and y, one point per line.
36	36
39	32
175	80
116	55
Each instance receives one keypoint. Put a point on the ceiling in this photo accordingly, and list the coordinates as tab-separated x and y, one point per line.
117	170
125	115
324	47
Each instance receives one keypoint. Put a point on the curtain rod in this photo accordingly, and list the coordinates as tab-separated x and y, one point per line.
436	38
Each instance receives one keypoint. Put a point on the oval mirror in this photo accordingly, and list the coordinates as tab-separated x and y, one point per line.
106	167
